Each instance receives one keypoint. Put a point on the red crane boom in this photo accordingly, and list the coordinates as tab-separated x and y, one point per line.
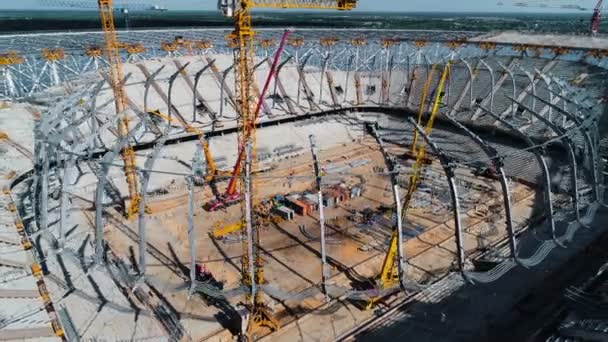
596	19
231	196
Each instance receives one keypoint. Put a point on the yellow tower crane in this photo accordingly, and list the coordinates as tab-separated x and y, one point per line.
112	51
389	275
242	38
120	100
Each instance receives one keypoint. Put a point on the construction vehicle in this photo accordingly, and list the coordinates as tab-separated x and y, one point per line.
220	231
204	275
485	170
263	211
212	170
390	274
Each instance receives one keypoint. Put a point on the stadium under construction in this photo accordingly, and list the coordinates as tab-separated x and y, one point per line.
189	227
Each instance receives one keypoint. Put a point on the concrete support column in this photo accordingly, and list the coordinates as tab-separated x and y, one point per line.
276	81
348	71
470	70
513	84
533	85
300	77
492	78
302	84
323	70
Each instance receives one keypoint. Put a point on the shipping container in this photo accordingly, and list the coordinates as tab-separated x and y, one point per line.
298	206
284	212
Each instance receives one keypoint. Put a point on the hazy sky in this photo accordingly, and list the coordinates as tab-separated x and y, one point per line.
366	5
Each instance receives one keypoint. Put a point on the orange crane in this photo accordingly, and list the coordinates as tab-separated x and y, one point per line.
243	39
116	75
120	100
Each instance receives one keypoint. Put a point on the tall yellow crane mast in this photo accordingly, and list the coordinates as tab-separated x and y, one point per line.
120	100
112	51
389	274
242	38
425	92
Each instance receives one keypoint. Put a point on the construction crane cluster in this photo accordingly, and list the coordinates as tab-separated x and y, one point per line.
248	100
243	41
248	104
